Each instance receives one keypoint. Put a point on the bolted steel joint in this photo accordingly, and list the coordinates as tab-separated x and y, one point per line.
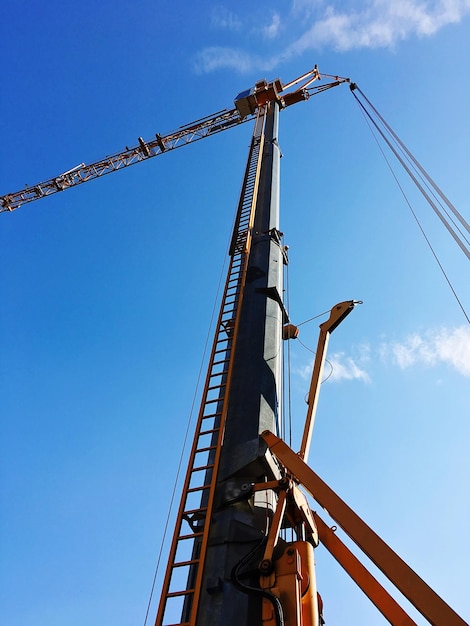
266	567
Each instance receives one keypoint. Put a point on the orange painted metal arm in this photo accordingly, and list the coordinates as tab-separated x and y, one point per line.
387	605
273	535
423	598
337	314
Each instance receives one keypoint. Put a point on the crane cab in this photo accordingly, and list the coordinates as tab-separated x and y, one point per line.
249	100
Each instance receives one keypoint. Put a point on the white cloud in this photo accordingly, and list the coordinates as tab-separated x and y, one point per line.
271	30
305	372
339	367
305	7
224	19
346	368
443	346
216	57
380	24
450	346
338	26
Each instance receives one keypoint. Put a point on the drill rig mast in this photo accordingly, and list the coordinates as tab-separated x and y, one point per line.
242	399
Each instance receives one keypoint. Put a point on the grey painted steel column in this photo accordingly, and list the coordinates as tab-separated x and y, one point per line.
239	524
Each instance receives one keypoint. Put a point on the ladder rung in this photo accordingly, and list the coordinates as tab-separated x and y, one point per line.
191	536
230	310
186	563
202	467
229	300
220	362
208	432
195	489
222	350
176	594
205	449
216	386
218	391
190	511
230	304
218	374
213	415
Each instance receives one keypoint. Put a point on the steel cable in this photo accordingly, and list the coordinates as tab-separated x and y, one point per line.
368	117
455	236
191	413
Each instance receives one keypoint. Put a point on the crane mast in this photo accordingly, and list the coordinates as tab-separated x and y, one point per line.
255	395
245	380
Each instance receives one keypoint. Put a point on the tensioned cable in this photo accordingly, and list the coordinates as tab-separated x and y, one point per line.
417	164
431	186
313	318
413	177
326	360
365	113
422	172
191	412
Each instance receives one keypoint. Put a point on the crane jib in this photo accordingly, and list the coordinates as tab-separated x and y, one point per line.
145	150
246	106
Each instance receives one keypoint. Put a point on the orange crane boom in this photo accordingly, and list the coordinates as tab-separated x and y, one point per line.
144	150
246	105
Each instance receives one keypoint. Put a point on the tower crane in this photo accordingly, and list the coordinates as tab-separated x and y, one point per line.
231	561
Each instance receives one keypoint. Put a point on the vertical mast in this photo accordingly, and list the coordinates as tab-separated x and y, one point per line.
238	525
220	523
255	389
229	516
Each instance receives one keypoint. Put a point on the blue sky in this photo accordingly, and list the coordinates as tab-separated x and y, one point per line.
107	289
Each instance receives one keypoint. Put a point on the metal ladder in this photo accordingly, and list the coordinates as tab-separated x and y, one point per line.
183	578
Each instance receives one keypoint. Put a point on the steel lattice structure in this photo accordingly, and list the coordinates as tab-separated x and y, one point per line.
189	133
183	136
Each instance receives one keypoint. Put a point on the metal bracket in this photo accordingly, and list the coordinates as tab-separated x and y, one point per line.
273	293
